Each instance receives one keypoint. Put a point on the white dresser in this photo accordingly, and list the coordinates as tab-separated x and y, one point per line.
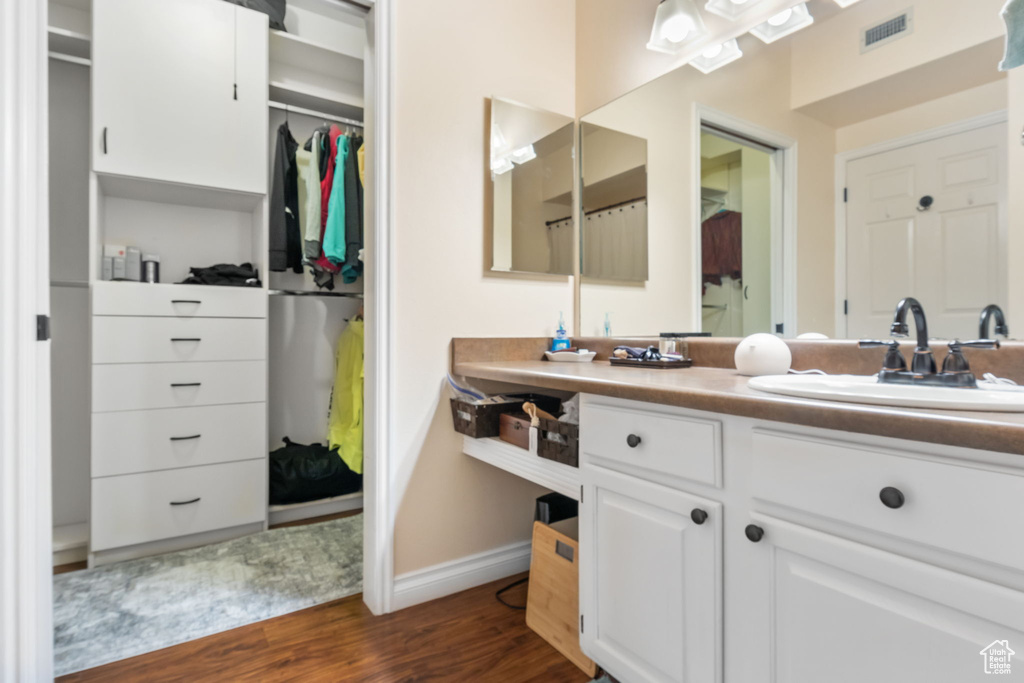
179	435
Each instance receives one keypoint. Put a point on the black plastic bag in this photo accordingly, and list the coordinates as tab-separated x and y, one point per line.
300	473
274	9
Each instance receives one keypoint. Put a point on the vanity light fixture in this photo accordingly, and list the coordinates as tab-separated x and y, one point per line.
717	56
501	165
523	154
676	22
845	3
784	23
731	9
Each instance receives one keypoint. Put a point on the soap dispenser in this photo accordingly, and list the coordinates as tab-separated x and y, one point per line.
561	340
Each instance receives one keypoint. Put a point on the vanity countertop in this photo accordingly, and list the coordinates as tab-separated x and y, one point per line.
722	390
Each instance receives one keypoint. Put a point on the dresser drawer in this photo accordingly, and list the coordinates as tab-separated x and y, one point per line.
660	443
138	508
149	440
959	508
122	339
188	301
142	386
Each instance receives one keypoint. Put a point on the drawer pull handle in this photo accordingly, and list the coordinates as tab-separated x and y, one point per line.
186	339
186	301
185	438
633	440
187	384
698	516
185	502
754	533
892	497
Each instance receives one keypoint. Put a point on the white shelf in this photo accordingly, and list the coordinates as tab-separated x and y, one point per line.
340	103
526	464
70	43
177	193
70	543
314	56
282	514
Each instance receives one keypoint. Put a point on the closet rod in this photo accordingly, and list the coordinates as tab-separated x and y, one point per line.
318	114
304	292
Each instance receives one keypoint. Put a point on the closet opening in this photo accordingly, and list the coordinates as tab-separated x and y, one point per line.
210	296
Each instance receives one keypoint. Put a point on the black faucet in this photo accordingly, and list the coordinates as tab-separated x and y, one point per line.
956	371
987	314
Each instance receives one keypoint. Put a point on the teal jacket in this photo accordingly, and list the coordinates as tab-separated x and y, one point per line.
334	231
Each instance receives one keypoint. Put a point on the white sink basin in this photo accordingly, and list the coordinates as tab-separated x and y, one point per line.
860	389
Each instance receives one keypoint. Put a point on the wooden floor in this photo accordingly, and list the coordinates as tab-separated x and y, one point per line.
465	637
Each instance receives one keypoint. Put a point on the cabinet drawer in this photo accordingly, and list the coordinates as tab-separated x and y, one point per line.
184	301
953	507
120	339
142	386
138	508
630	440
148	440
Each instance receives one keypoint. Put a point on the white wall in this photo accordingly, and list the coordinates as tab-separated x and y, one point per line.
451	55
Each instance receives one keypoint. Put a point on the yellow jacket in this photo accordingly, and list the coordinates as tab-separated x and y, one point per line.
345	424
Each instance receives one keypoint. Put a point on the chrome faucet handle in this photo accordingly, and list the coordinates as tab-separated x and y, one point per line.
894	360
975	344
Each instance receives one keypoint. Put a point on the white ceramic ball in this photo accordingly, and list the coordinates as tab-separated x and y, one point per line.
812	335
763	354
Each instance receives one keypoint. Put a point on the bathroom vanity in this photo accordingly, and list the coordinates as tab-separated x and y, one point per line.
732	535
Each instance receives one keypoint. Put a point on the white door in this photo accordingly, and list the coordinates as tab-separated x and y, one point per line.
833	610
164	97
951	256
650	599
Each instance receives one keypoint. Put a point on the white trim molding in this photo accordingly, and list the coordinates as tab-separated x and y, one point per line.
842	161
26	533
430	583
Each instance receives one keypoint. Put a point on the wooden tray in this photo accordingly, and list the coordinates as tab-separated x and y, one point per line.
656	364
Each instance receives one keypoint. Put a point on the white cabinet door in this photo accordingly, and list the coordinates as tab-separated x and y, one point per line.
164	97
650	593
838	611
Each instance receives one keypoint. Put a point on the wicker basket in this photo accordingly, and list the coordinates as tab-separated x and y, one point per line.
559	441
480	421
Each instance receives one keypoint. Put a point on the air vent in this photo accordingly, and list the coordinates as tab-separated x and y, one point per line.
897	27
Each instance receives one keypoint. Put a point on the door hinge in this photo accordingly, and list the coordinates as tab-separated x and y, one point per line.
846	307
779	327
581	623
846	194
42	327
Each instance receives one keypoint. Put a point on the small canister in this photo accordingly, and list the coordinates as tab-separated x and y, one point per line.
151	268
673	344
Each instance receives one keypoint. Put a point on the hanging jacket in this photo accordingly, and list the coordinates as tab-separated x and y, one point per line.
722	247
353	267
323	269
345	424
285	239
311	207
334	231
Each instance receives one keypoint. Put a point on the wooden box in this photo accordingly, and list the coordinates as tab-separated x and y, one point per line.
559	441
515	429
553	604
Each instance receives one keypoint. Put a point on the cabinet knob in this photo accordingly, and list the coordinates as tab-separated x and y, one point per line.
633	440
892	497
754	533
698	516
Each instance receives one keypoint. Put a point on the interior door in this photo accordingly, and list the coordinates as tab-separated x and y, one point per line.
834	610
649	594
950	254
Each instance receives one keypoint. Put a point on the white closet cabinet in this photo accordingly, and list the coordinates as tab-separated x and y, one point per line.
835	610
180	92
649	588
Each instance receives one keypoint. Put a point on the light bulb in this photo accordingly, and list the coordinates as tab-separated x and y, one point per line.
781	18
675	29
739	2
713	51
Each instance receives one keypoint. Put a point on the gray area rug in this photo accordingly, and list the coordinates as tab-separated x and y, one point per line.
122	610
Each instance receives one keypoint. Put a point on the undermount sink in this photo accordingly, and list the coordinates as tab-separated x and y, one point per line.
866	389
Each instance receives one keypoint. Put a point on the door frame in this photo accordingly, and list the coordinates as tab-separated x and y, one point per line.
843	160
784	214
26	528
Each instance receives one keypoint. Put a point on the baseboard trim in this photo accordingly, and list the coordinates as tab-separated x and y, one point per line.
430	583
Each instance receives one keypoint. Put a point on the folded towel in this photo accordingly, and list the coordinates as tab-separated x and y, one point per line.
1013	16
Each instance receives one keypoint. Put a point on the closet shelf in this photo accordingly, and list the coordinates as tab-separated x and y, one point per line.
305	292
316	114
290	48
69	43
316	98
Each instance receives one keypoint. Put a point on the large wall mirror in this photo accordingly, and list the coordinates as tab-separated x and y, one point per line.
531	166
808	184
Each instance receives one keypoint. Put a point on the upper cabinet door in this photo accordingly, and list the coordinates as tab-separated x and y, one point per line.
165	102
650	597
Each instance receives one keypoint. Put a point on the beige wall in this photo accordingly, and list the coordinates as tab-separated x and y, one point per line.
1015	208
451	55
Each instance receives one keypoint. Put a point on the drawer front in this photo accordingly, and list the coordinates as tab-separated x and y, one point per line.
631	440
122	339
185	301
142	386
149	440
952	507
138	508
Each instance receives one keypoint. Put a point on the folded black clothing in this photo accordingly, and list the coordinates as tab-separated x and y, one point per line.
301	473
224	274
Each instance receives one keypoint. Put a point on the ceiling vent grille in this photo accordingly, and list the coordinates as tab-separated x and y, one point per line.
897	27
